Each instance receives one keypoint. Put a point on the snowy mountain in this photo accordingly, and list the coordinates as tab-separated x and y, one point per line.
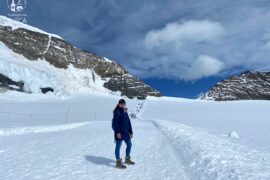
248	85
35	61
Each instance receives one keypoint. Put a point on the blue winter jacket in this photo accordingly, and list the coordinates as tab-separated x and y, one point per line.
121	123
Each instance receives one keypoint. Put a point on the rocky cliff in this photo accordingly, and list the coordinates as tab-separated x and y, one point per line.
61	54
248	85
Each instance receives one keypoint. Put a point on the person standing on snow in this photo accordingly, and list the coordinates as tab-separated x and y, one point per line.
122	128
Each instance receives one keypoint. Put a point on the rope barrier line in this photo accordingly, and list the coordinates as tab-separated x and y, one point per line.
66	117
30	114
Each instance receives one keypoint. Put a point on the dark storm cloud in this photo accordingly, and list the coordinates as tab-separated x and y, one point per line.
164	38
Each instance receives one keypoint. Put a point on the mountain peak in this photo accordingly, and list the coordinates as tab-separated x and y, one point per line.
5	21
247	85
54	63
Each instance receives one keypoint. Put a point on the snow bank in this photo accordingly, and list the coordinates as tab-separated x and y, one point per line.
210	157
4	21
233	135
108	60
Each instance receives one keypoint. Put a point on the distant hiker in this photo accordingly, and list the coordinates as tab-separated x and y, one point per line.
122	131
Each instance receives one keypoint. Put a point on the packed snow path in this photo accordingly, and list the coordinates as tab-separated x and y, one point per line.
87	153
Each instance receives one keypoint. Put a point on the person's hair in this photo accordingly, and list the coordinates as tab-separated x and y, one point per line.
121	101
116	107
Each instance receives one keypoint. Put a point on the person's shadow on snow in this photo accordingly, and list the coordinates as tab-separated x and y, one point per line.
100	160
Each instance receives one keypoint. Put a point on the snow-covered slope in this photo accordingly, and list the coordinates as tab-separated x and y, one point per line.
4	21
38	74
41	60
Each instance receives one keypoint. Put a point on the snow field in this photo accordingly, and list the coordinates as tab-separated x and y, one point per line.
190	143
87	152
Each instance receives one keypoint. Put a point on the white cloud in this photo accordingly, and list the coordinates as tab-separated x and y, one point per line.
174	68
176	34
169	51
238	37
237	33
204	66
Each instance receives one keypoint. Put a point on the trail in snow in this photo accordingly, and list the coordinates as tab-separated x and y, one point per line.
210	157
138	109
87	152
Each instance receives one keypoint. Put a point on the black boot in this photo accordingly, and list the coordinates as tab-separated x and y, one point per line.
128	161
119	164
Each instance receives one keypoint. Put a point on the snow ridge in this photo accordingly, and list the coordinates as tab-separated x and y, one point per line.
4	21
39	129
210	157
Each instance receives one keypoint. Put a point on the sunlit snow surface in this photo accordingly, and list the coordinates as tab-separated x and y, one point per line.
174	138
4	21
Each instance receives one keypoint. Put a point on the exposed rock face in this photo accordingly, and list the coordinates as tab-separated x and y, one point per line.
130	86
59	53
46	89
248	85
7	83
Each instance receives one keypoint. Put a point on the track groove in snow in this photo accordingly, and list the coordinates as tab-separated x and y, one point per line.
39	129
209	157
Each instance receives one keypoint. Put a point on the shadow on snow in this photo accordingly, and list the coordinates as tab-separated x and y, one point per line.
100	160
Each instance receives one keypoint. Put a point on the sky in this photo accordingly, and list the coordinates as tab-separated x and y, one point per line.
180	47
